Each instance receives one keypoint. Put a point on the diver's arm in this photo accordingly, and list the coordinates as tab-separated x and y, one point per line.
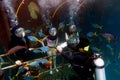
56	42
64	54
69	58
66	36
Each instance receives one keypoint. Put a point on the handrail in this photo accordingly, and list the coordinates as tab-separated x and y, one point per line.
15	65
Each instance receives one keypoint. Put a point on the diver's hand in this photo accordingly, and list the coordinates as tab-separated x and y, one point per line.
59	49
30	49
3	55
18	62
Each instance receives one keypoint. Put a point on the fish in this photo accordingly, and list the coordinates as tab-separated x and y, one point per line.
67	25
1	61
32	38
91	40
107	63
110	47
91	34
119	56
117	71
96	49
37	51
109	37
44	62
21	70
41	34
48	64
10	78
27	31
45	49
35	39
97	26
38	62
61	26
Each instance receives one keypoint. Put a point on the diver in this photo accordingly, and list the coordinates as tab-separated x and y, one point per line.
52	42
18	45
72	37
82	62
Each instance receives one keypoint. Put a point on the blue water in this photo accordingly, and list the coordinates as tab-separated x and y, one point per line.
110	22
107	14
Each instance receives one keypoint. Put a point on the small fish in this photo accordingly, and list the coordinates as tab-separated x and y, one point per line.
96	49
117	71
0	69
91	34
107	63
32	38
109	47
21	70
37	51
10	78
61	26
97	26
38	62
45	48
1	61
119	56
50	26
34	64
91	40
48	64
109	37
67	25
41	34
43	61
95	34
27	31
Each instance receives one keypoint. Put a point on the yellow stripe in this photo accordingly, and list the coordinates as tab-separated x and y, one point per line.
86	48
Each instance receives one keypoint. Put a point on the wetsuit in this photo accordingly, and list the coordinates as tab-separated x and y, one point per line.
82	63
20	54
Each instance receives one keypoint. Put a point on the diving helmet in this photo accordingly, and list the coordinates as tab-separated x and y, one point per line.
72	28
52	31
20	32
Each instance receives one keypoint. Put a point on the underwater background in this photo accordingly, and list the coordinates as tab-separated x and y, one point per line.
111	20
98	20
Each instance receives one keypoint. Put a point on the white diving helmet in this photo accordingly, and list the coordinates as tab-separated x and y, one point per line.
20	32
53	31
